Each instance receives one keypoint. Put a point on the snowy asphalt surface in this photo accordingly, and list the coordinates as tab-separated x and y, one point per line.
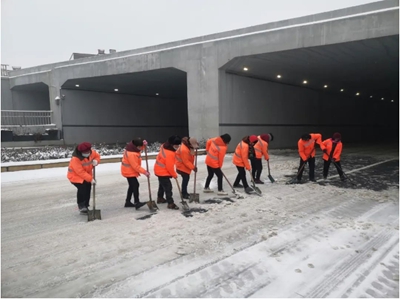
330	239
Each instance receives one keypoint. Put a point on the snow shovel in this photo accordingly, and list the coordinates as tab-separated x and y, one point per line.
256	189
94	214
194	196
185	206
269	174
150	204
238	196
294	180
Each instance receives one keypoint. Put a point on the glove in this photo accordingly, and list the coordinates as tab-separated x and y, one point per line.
325	151
248	168
95	163
147	174
195	169
144	142
93	182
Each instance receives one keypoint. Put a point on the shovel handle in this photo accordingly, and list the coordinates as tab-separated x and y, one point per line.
269	171
195	164
229	183
94	189
147	169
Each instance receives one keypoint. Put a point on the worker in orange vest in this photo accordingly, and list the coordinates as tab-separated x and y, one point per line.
216	150
83	159
306	147
333	148
260	149
164	169
184	161
131	168
243	152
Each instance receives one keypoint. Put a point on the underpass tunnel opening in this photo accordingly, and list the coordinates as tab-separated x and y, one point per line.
118	108
27	97
351	88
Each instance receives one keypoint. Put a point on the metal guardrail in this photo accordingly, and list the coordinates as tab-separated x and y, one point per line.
4	70
25	118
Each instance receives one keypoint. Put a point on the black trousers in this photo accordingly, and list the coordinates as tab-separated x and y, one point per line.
133	189
83	194
337	165
241	177
311	165
185	181
218	173
165	186
256	168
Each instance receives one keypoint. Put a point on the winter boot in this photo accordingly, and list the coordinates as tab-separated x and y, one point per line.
248	190
161	200
139	204
222	192
173	206
207	190
238	186
128	204
83	210
342	178
186	196
258	182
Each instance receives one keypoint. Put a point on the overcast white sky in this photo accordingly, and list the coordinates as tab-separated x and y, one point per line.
35	32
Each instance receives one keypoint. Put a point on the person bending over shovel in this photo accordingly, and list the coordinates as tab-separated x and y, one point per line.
306	146
131	168
333	151
184	162
243	152
260	149
83	159
164	169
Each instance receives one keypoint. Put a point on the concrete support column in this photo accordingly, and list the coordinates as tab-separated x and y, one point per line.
203	98
55	106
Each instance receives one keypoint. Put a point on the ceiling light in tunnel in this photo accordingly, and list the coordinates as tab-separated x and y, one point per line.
157	94
357	94
371	97
305	82
116	89
325	86
279	76
245	69
382	99
392	101
77	85
342	90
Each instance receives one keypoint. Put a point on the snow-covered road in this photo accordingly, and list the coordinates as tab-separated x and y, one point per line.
307	240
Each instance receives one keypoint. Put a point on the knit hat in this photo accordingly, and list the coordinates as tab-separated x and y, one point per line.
265	137
337	136
84	147
174	140
138	141
253	138
193	142
226	138
306	136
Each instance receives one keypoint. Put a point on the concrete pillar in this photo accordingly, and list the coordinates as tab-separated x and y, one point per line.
203	98
55	106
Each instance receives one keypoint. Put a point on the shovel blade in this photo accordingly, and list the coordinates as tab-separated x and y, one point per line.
271	178
94	214
194	197
185	206
152	206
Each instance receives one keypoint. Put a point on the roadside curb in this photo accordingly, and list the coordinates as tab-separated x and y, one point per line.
104	160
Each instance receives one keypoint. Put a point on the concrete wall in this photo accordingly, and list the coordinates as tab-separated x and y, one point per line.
30	100
6	96
109	117
252	106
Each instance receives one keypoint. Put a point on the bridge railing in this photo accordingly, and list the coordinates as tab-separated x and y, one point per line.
25	118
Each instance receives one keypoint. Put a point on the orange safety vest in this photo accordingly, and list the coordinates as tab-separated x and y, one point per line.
241	155
261	149
184	159
81	170
216	150
307	148
328	143
165	163
131	165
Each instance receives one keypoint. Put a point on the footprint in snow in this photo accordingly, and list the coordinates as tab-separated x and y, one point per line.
298	270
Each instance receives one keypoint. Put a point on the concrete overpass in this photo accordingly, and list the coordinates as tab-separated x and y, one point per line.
229	83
